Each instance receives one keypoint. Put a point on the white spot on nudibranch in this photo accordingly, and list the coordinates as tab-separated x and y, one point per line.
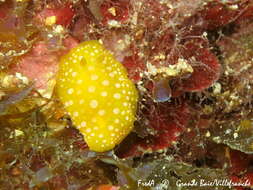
81	101
93	103
116	110
90	68
91	89
110	127
75	114
70	91
105	82
117	85
94	77
104	93
79	81
117	95
101	112
83	124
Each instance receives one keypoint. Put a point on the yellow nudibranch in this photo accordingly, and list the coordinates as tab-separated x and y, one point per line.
97	94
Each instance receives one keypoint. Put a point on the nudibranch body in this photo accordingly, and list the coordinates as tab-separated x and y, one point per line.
98	95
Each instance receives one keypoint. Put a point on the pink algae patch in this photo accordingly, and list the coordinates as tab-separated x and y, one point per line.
41	63
115	10
38	65
64	14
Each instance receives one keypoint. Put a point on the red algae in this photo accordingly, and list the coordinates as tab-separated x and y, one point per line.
62	15
206	68
115	10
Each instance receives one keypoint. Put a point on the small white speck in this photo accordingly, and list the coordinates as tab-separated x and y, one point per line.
81	101
100	135
110	127
208	134
75	114
93	103
79	81
70	91
117	85
101	112
88	130
94	77
80	58
111	74
117	95
83	124
90	68
74	74
70	102
91	89
95	128
116	110
116	121
104	93
109	68
105	82
228	131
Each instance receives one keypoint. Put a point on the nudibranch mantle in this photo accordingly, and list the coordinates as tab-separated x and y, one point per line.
97	94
